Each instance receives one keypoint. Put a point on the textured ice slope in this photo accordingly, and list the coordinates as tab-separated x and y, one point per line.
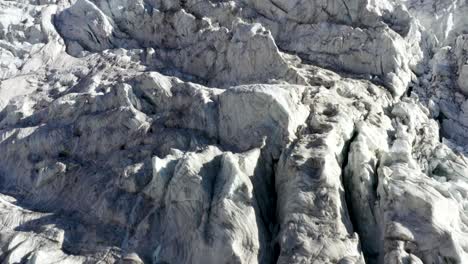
243	131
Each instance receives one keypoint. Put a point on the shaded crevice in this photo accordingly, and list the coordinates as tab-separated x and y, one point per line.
278	6
265	194
344	165
276	253
274	224
375	186
210	183
409	91
440	119
370	254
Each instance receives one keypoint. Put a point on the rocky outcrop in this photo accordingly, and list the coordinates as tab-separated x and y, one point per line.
259	131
